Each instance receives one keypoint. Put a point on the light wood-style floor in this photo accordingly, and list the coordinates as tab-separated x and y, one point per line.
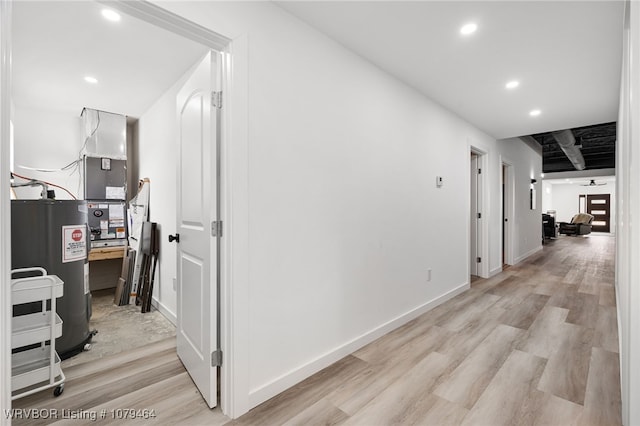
534	345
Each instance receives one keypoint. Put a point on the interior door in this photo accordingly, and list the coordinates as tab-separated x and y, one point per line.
504	214
196	208
599	205
473	233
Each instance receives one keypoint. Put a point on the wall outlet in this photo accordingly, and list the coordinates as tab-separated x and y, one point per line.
175	284
428	274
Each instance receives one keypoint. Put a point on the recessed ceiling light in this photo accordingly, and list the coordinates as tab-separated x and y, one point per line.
535	112
90	79
469	28
512	84
110	15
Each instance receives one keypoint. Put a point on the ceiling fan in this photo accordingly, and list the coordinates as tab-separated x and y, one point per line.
593	183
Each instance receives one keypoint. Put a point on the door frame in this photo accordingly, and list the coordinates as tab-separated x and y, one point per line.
169	21
5	209
485	209
233	181
474	223
506	168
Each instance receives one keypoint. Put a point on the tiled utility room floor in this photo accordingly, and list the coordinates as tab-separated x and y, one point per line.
120	328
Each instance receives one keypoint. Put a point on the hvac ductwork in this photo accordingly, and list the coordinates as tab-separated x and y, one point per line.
568	144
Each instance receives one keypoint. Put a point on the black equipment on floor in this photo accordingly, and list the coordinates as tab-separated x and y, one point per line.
149	250
52	234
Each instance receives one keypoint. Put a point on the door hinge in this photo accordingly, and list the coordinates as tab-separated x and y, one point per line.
479	215
479	171
216	358
478	260
216	99
216	228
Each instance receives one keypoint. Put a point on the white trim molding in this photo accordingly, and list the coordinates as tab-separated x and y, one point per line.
485	206
527	254
510	196
235	250
495	271
5	210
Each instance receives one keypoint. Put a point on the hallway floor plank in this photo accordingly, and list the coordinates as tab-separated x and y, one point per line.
534	345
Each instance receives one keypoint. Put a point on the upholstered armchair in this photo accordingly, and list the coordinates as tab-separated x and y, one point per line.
580	225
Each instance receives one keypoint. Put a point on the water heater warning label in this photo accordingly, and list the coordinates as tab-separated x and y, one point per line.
74	243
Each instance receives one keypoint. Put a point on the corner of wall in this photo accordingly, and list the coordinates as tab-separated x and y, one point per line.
527	254
628	209
495	271
168	314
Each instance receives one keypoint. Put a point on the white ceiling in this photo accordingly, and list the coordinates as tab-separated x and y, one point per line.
566	55
56	44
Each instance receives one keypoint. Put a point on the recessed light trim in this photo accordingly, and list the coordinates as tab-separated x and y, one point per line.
111	15
535	112
468	29
90	79
512	84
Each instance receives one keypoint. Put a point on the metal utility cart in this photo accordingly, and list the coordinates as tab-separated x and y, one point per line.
35	364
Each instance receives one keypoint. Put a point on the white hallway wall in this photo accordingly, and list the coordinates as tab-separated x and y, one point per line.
527	223
547	196
344	217
52	139
47	139
628	212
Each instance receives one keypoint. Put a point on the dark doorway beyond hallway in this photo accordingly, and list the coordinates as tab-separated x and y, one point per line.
599	205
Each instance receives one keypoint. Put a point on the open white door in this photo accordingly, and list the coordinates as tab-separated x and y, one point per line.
196	210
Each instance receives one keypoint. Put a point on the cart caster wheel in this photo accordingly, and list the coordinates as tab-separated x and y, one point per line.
87	347
58	390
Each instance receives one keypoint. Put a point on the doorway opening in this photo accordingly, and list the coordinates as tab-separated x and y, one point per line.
478	231
507	214
474	258
161	19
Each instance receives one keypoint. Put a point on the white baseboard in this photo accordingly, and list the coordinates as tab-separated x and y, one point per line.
527	254
284	382
164	311
495	271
